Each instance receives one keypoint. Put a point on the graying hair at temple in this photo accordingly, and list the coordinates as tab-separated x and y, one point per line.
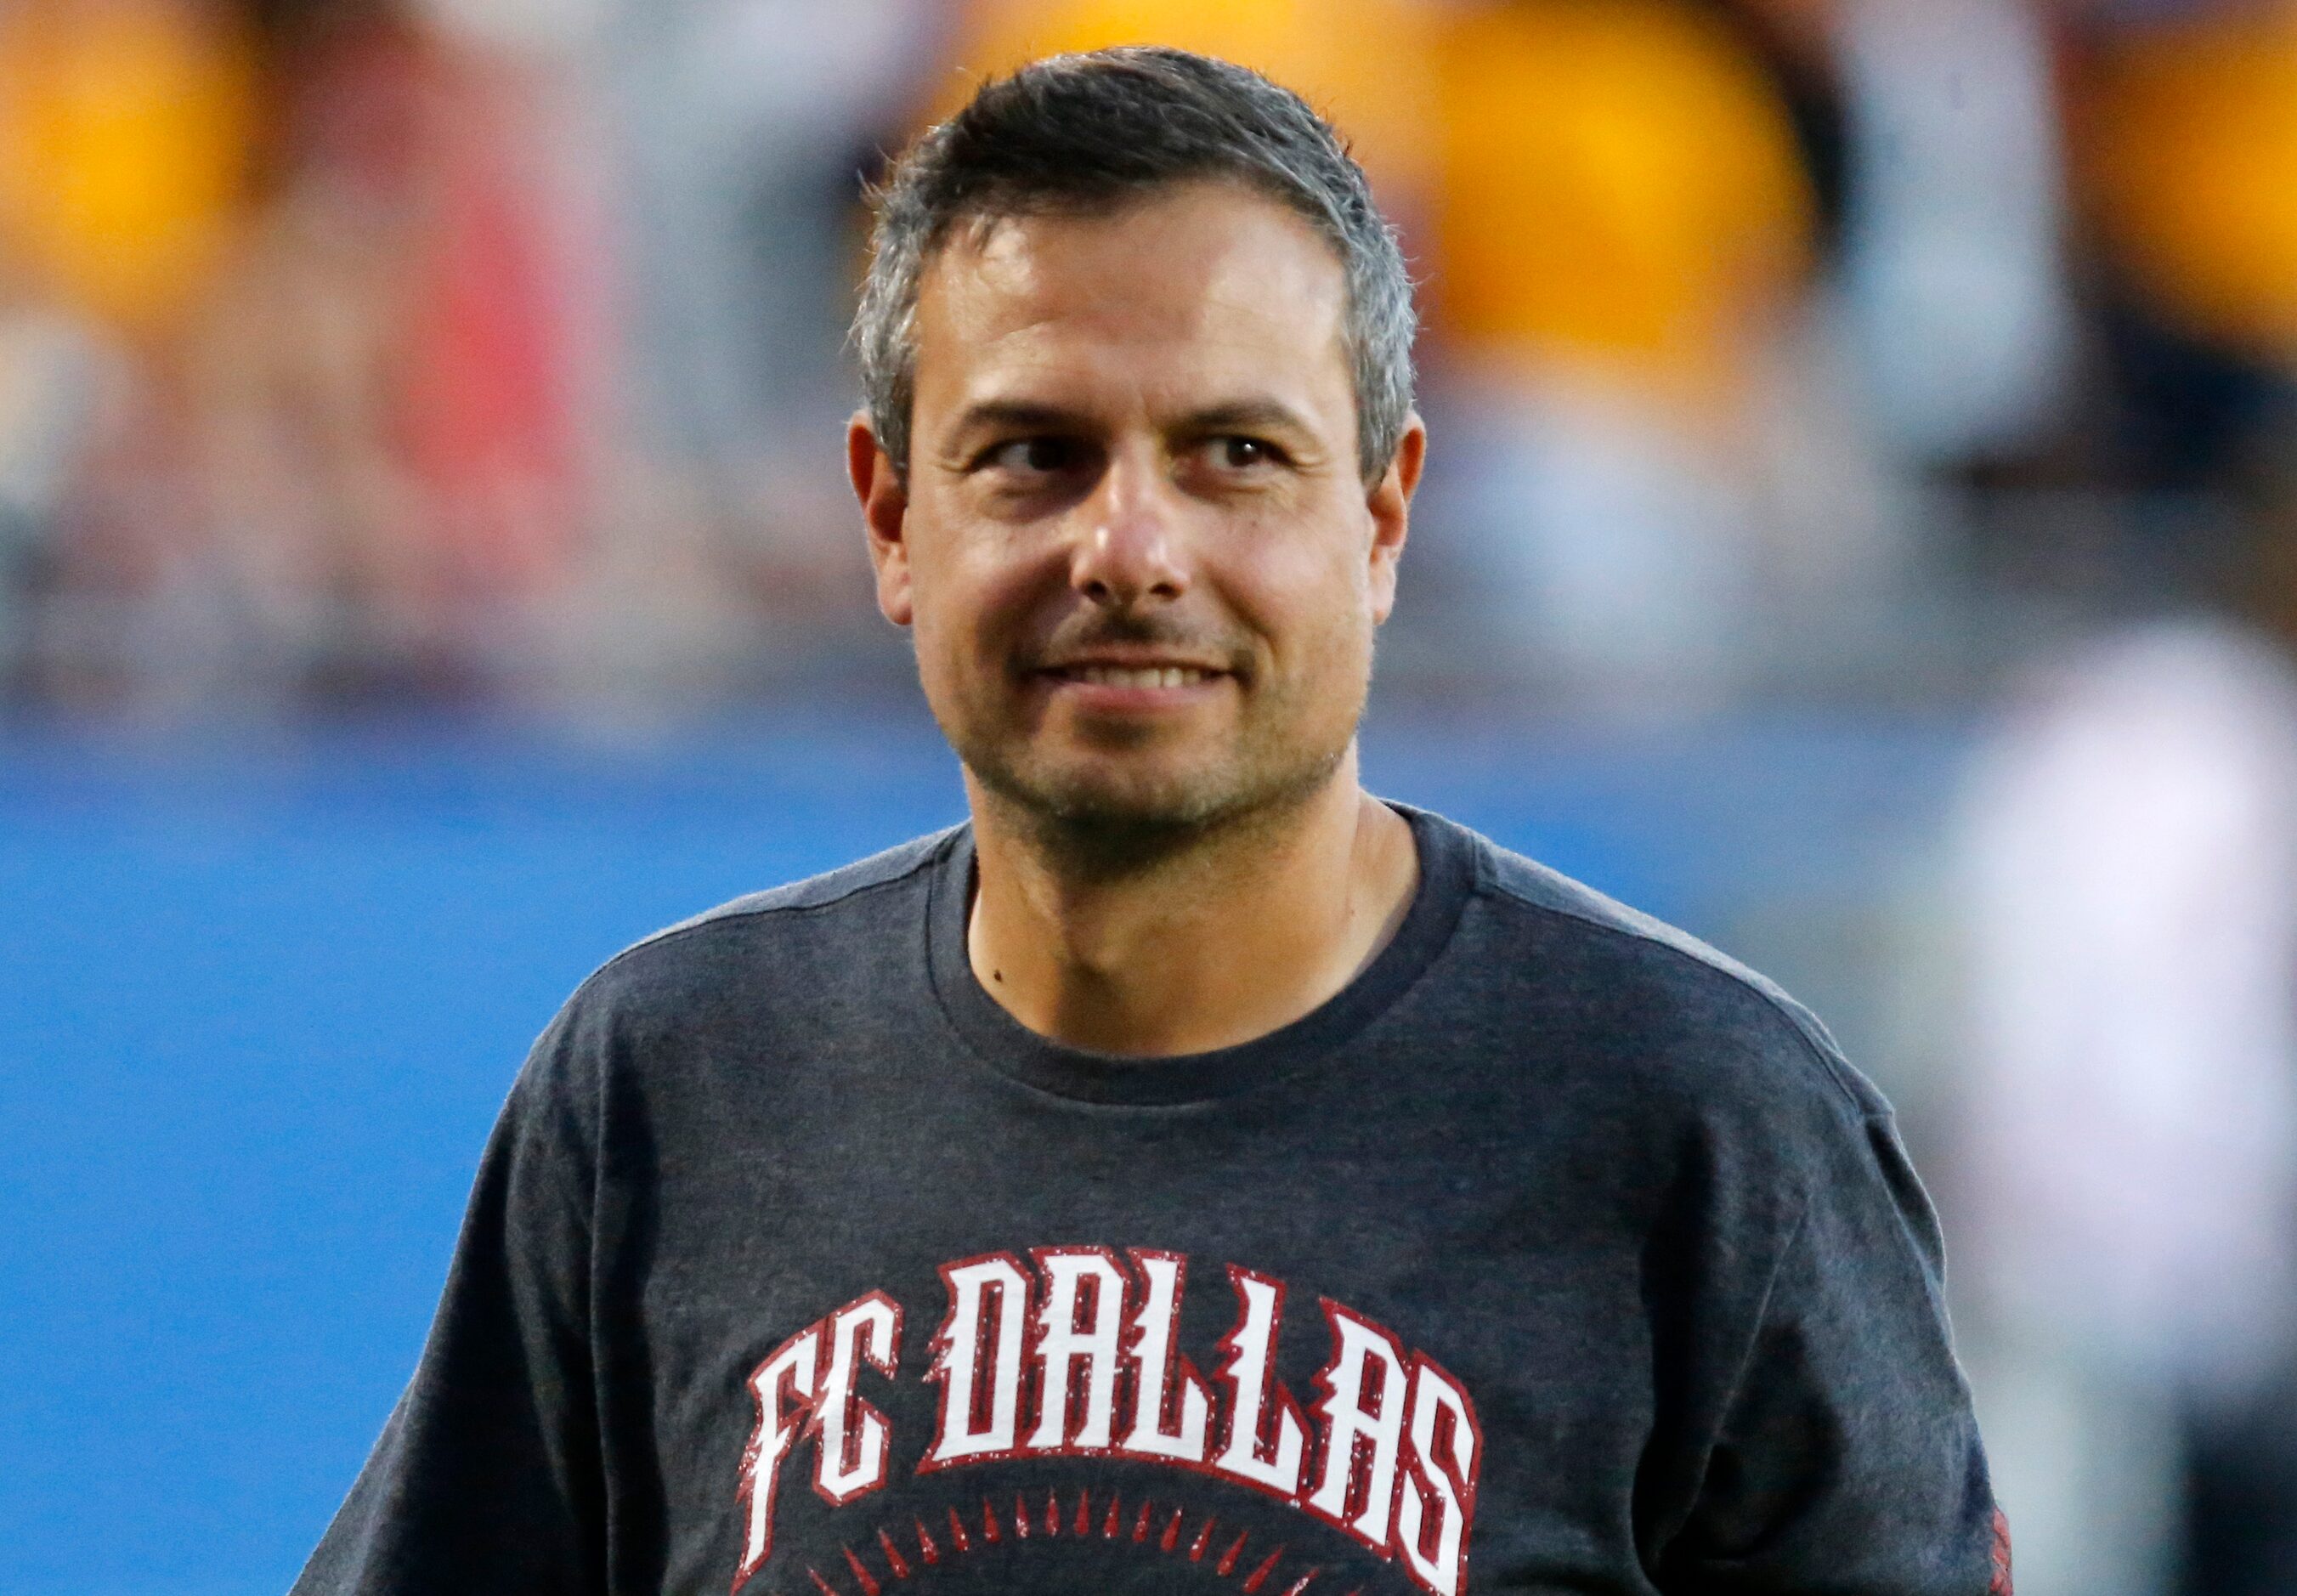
1090	133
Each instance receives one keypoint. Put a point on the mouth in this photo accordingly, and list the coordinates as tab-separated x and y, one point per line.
1128	689
1135	678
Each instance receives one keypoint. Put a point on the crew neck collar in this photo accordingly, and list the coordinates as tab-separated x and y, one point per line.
1448	874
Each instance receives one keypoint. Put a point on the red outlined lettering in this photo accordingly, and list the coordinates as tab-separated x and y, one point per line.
852	1434
1081	1320
788	1371
1366	1387
1066	1357
1446	1451
1267	1438
977	1358
1172	1405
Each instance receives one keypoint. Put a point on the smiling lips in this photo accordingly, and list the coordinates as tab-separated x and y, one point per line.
1137	676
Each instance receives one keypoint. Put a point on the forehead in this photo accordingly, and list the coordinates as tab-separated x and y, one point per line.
1202	283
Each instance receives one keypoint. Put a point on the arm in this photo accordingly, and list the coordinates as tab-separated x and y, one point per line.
488	1475
1848	1459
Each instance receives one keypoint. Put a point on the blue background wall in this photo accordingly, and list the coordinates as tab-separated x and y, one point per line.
259	999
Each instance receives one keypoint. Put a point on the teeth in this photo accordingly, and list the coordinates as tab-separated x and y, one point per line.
1169	676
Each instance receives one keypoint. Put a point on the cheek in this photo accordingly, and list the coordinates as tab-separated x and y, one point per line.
972	598
939	606
1311	599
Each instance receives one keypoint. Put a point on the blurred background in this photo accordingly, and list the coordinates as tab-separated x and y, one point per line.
1862	526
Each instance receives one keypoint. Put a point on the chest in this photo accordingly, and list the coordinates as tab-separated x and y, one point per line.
1071	1361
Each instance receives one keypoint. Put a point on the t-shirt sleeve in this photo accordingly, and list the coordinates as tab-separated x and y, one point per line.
488	1475
1847	1458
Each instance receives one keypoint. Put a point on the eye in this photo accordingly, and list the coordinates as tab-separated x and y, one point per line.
1242	454
1032	456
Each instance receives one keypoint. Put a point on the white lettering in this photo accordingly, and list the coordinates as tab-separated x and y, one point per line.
1451	1481
1270	1462
788	1371
852	1432
1062	1342
1156	1327
979	1419
1360	1446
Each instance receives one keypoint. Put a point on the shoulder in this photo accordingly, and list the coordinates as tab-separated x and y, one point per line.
786	940
845	887
1684	1066
1650	1004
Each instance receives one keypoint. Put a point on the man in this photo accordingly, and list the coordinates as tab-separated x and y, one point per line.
1196	1172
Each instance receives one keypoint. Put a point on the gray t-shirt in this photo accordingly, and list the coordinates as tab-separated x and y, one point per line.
1555	1254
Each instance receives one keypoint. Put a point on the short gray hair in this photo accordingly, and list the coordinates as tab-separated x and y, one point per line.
1095	131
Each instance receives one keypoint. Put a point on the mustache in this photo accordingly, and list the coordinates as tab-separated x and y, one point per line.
1099	631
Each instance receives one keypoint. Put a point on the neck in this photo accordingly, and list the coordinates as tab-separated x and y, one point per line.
1171	945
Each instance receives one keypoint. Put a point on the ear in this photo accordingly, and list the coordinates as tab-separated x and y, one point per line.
1389	503
884	514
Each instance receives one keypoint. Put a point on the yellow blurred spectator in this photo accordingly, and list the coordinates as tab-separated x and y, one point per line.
124	131
1367	64
2187	135
1621	188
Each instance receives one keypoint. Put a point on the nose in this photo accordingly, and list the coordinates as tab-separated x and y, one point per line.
1129	551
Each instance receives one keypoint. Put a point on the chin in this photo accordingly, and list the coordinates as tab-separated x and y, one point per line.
1112	797
1123	800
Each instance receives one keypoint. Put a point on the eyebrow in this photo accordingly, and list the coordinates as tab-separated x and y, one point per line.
1257	413
1253	413
1010	413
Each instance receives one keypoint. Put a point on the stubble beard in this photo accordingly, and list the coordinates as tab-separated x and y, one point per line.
1095	823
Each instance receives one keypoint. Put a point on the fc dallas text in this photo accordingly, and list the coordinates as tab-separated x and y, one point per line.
1076	1354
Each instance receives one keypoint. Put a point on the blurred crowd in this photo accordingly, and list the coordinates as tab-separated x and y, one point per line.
456	349
1864	353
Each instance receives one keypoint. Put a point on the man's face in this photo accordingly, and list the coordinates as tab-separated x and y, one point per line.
1140	563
